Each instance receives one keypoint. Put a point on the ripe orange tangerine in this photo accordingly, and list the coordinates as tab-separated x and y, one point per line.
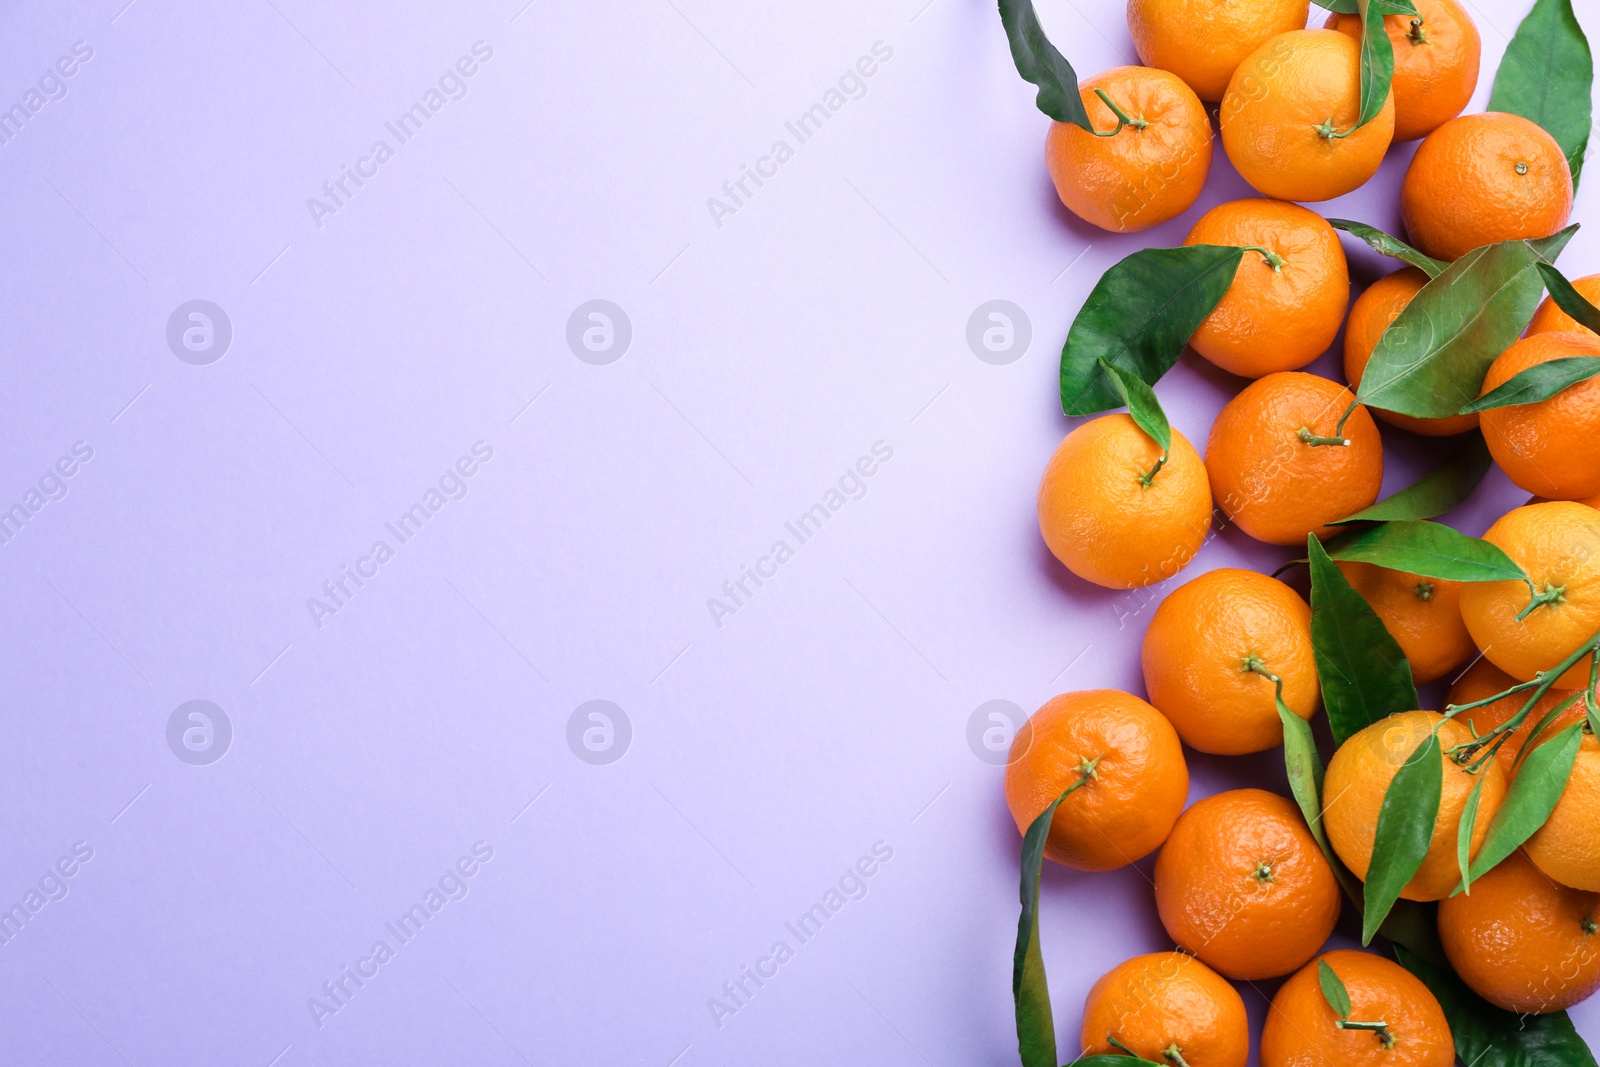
1125	759
1151	169
1289	118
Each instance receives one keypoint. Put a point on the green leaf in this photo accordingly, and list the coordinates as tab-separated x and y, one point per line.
1348	7
1392	247
1539	382
1038	62
1440	490
1532	740
1486	1036
1547	75
1377	61
1434	355
1139	316
1304	766
1405	829
1141	403
1430	549
1036	1028
1568	299
1416	926
1333	990
1469	820
1535	790
1365	677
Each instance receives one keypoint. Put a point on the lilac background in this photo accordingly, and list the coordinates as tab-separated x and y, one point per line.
429	313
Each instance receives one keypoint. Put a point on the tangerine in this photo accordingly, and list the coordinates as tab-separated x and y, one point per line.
1483	178
1289	118
1127	765
1114	514
1289	295
1358	778
1151	169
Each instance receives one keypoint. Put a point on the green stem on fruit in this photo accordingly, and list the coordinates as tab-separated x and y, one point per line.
1351	410
1174	1055
1271	258
1381	1029
1305	434
1471	754
1329	132
1553	594
1150	475
1252	664
1123	118
1452	710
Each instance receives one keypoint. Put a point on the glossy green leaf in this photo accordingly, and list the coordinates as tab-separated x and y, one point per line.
1440	490
1141	403
1568	299
1486	1036
1392	247
1377	61
1036	1028
1304	766
1547	75
1434	355
1365	677
1139	316
1038	62
1333	990
1405	829
1416	926
1539	783
1348	7
1539	382
1464	832
1430	549
1536	736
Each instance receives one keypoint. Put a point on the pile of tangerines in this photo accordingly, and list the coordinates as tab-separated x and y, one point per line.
1250	884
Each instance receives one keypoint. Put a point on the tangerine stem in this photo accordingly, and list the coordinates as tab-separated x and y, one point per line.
1381	1029
1175	1055
1305	434
1452	710
1330	132
1271	258
1351	410
1541	683
1123	118
1553	594
1150	475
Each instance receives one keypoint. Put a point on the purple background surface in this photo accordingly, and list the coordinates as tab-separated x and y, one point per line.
374	343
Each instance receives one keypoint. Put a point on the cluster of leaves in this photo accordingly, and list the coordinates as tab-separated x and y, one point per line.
1430	363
